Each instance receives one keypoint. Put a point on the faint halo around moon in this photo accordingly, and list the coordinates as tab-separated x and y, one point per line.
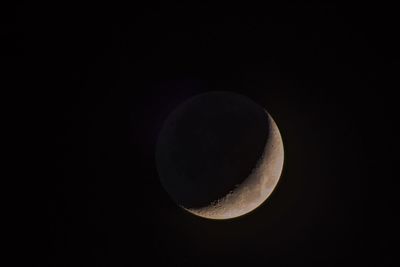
219	155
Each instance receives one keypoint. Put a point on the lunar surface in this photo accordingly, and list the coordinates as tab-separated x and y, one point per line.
219	155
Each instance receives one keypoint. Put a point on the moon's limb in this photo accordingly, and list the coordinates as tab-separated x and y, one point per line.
256	188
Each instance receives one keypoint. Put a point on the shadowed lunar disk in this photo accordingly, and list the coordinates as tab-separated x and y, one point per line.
219	155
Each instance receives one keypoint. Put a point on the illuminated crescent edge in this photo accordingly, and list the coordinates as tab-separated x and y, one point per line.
258	186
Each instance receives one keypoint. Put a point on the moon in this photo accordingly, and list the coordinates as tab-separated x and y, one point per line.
219	155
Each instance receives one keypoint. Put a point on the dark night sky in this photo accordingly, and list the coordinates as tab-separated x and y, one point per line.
326	72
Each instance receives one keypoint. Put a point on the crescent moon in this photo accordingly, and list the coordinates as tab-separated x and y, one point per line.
255	190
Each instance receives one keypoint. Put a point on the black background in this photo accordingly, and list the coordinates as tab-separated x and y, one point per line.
113	72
